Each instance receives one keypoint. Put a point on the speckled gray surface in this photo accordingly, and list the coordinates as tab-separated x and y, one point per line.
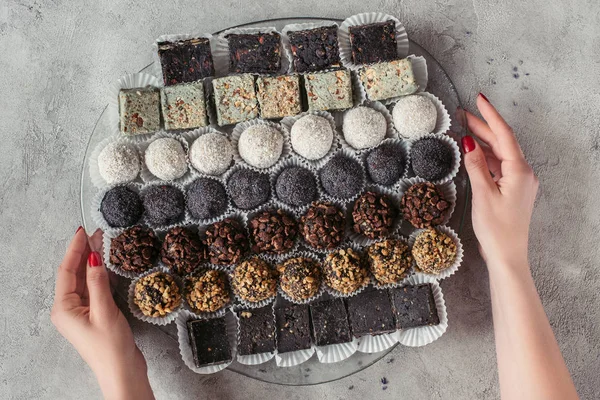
538	62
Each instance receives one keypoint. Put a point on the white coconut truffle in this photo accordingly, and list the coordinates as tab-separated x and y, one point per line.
312	136
211	153
119	162
364	127
166	159
414	116
260	145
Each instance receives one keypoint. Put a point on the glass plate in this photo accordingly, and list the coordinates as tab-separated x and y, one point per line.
310	372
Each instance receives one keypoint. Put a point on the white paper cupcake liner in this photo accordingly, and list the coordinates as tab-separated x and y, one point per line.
456	156
300	27
106	245
346	152
338	294
443	121
451	270
185	220
97	216
390	132
185	349
421	336
129	81
292	161
191	136
242	126
206	315
377	343
411	271
97	179
447	188
319	293
207	221
293	358
402	42
135	310
359	95
403	146
145	173
336	352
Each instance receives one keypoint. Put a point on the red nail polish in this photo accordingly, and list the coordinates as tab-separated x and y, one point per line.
78	229
468	144
483	97
94	259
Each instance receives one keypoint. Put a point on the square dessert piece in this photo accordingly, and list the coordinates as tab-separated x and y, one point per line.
373	43
235	99
279	96
370	313
328	90
185	60
293	328
139	111
209	341
257	331
414	306
389	79
255	53
315	49
330	322
183	106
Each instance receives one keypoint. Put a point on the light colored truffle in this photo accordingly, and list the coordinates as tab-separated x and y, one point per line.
166	159
211	153
260	145
119	162
414	116
312	136
364	127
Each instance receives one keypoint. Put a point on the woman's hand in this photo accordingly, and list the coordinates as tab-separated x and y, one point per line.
85	313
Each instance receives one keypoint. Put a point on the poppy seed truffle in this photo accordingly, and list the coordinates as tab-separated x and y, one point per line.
296	186
431	159
206	198
119	162
211	153
163	205
166	159
342	177
311	136
121	207
414	115
364	127
248	188
385	164
260	145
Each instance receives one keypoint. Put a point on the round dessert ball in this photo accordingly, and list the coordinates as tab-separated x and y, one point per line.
273	232
364	127
373	215
312	136
207	291
157	294
248	188
389	260
260	145
211	153
322	226
119	162
344	272
424	205
431	158
300	278
182	251
414	115
434	251
342	177
163	205
206	198
254	280
226	242
121	207
386	164
296	186
134	250
166	159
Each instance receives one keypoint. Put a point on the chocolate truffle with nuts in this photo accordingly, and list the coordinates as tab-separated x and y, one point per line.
273	231
254	280
135	250
157	294
300	278
373	215
389	260
344	271
226	242
322	226
206	290
424	205
434	251
182	251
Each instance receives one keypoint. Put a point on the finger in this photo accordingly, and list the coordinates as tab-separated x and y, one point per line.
480	129
477	168
100	297
493	163
509	146
69	275
96	241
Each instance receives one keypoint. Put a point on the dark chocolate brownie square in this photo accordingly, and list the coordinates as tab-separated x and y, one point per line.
414	306
257	331
209	341
254	53
373	43
330	322
185	60
293	328
370	313
315	49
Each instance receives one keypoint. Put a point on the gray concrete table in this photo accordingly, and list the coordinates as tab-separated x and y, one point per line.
538	62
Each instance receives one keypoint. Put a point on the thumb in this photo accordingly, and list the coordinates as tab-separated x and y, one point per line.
98	284
477	168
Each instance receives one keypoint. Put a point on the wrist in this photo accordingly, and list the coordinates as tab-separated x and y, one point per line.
125	379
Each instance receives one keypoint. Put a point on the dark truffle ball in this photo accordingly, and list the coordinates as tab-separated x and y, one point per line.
431	159
373	215
273	231
248	188
206	198
226	242
182	251
163	205
342	177
323	225
136	249
121	207
385	164
296	186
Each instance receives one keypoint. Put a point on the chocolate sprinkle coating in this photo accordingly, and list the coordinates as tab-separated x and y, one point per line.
389	260
163	205
248	188
386	164
121	207
424	205
273	232
434	251
206	198
322	226
296	186
254	280
342	177
431	159
157	294
373	215
207	291
135	250
182	251
344	271
226	242
300	278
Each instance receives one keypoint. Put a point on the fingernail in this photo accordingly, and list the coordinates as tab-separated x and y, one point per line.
78	229
483	97
468	144
94	259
